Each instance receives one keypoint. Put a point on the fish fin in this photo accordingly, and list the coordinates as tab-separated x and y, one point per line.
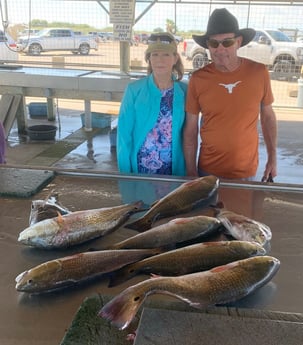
154	276
142	224
216	208
226	223
59	218
219	205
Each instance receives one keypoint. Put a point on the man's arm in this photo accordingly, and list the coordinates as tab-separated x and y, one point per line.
269	129
190	143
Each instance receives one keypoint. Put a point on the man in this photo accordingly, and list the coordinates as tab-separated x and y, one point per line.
230	93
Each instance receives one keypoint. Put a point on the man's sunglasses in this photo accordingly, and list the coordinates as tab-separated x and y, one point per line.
160	39
227	42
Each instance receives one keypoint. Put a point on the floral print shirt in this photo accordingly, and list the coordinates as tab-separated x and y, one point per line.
155	155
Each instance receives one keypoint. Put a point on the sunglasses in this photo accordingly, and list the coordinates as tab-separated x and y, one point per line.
160	39
227	42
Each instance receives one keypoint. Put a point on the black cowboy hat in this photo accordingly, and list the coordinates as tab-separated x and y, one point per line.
220	22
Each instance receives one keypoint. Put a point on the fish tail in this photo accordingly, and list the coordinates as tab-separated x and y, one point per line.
131	270
142	224
121	310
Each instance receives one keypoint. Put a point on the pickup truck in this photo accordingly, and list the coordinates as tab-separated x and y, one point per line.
270	47
197	54
51	39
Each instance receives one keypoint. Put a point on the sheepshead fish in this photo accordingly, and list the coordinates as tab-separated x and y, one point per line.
183	199
243	228
222	284
45	209
77	227
69	270
175	231
194	258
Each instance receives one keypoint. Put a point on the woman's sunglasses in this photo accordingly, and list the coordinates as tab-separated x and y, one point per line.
227	42
160	39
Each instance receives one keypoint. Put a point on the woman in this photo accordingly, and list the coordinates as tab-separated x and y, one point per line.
152	113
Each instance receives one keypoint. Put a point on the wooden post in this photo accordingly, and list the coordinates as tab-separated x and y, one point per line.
124	56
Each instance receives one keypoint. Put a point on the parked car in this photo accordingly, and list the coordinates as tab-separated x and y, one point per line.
142	38
8	48
106	36
52	39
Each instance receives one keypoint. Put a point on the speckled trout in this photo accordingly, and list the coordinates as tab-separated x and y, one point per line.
182	199
77	227
189	259
70	270
177	230
222	284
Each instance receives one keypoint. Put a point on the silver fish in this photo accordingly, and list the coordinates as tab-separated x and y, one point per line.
77	227
222	284
243	228
182	199
69	270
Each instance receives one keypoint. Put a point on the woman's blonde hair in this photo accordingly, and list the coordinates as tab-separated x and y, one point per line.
164	41
178	67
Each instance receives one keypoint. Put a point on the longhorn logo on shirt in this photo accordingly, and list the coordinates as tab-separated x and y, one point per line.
229	87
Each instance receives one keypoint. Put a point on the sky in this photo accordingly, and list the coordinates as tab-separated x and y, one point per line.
187	16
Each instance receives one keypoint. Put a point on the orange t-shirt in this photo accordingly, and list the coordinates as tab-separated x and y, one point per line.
230	106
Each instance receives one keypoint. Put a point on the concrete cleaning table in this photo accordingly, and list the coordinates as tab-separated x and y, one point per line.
44	319
53	83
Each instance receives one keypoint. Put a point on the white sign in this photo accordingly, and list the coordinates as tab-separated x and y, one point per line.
123	32
121	11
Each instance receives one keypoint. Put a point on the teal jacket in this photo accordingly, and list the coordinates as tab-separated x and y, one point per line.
138	114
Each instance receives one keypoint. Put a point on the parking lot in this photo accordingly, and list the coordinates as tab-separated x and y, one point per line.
108	58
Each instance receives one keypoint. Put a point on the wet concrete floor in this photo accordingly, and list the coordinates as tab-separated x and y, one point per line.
93	150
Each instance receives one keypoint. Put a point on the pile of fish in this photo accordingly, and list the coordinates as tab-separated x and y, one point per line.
183	255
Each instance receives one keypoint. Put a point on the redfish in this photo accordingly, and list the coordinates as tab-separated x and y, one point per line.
243	228
69	270
175	231
182	199
77	227
222	284
193	258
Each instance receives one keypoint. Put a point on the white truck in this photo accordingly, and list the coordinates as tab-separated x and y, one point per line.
52	39
270	47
